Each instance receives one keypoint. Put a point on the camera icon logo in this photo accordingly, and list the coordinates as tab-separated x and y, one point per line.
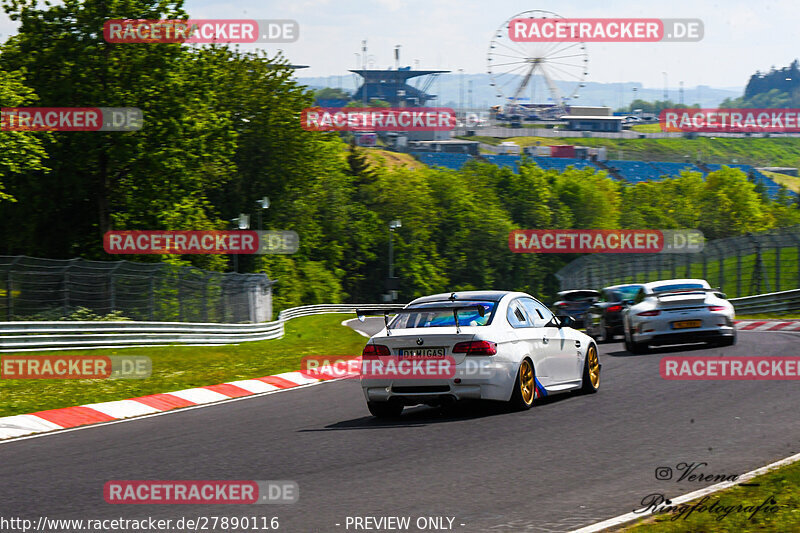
663	473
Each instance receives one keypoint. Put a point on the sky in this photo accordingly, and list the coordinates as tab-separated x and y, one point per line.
741	37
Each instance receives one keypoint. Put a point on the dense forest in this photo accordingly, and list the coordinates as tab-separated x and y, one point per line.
222	130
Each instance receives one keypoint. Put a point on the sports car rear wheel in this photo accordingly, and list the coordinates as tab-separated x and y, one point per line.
524	387
591	370
634	347
390	409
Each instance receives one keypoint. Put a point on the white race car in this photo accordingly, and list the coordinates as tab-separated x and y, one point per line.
678	311
500	345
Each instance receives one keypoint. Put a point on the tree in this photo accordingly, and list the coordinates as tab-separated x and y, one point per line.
20	152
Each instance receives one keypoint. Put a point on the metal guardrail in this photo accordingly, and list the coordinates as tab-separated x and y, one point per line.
65	335
773	302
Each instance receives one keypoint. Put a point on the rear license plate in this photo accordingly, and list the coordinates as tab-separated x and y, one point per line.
683	324
422	352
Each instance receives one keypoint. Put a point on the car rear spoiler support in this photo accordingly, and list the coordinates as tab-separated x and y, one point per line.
362	313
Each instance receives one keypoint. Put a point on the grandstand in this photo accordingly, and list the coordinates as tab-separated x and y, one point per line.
561	163
629	171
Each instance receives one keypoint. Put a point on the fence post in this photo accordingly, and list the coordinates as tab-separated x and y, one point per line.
738	272
180	300
777	269
205	297
9	301
65	296
112	290
705	264
721	265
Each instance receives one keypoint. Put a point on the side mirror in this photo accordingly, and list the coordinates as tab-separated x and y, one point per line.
565	321
627	303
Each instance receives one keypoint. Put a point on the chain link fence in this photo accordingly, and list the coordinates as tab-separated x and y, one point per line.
741	266
50	289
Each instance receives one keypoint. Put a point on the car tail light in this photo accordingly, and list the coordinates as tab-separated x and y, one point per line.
716	307
476	348
375	350
654	312
614	309
562	304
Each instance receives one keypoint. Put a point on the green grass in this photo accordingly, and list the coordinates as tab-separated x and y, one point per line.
182	367
647	128
782	484
790	182
757	151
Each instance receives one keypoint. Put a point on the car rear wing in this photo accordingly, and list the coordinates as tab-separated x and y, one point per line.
362	313
677	292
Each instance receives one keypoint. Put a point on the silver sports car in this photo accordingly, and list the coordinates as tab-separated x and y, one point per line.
678	311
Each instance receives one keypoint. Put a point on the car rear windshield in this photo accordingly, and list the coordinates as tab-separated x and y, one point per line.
579	296
625	293
678	287
435	319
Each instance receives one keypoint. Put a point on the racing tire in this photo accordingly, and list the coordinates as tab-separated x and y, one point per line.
605	334
591	371
634	347
389	409
524	387
727	341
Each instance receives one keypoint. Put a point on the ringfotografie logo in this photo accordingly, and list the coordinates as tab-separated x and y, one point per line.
633	241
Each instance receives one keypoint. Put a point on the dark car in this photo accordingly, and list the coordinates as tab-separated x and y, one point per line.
603	319
574	303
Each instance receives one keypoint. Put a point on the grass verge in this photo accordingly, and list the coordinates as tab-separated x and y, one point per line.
781	486
183	367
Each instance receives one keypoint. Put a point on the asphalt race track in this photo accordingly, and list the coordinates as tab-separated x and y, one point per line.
570	461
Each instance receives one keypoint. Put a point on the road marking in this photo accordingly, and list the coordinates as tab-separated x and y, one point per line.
162	413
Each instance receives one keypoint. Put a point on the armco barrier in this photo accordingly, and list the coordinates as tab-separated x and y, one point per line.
64	335
773	302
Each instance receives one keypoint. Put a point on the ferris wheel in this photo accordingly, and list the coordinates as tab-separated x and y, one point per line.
514	66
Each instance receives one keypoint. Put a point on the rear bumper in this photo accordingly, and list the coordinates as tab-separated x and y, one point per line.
493	381
685	337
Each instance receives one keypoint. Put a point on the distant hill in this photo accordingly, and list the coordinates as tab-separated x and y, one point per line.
593	94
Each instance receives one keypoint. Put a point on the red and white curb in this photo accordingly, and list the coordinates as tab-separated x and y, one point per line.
768	325
12	427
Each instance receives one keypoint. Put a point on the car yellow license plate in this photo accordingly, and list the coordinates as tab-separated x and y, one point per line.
683	324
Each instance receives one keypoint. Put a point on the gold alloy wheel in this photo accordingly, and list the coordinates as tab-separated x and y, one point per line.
526	381
594	366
